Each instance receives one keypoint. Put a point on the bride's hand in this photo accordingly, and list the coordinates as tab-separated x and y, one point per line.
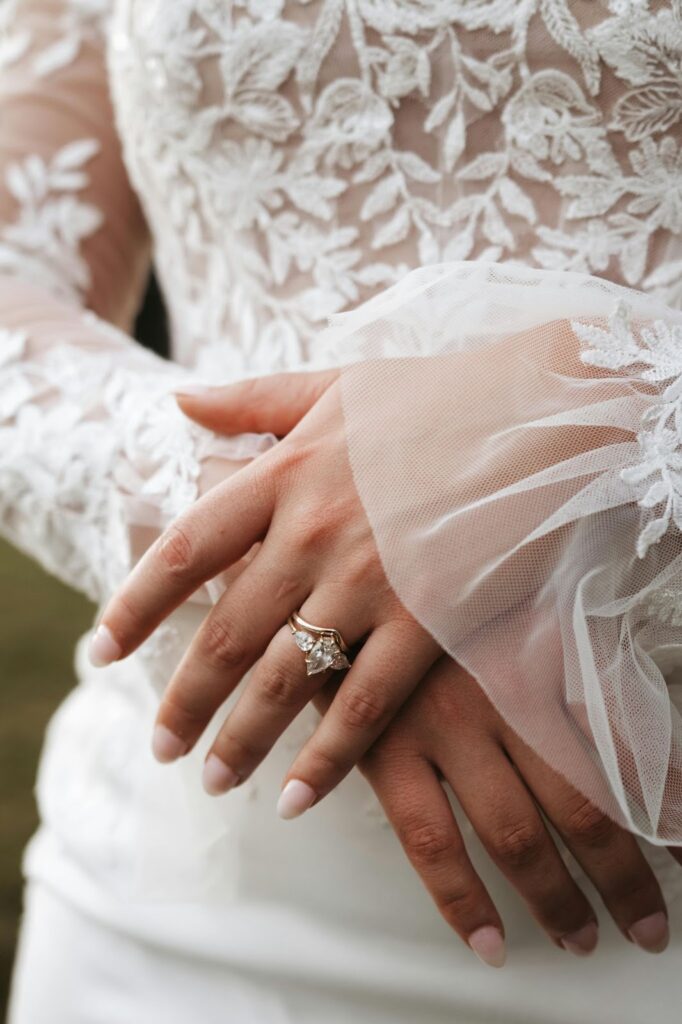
448	729
317	556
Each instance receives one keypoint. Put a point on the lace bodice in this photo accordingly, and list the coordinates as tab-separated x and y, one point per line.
295	157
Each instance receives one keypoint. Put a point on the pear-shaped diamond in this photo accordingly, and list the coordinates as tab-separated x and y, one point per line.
318	658
340	660
304	640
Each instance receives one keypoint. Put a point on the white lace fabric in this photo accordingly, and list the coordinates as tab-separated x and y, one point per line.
92	443
294	158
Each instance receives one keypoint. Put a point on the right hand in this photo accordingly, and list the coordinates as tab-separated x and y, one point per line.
449	729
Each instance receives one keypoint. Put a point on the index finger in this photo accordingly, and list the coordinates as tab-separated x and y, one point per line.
213	534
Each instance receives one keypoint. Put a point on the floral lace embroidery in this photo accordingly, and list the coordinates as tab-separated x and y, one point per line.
655	354
77	22
67	499
82	432
43	243
296	157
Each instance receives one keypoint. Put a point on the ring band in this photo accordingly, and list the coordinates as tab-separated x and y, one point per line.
323	646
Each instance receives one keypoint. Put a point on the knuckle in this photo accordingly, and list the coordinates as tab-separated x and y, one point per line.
176	551
287	462
222	645
240	754
558	903
391	756
634	888
519	845
365	571
185	714
313	531
427	843
458	901
323	768
361	707
585	823
280	687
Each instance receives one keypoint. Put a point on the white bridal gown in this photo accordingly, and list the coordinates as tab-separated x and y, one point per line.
290	159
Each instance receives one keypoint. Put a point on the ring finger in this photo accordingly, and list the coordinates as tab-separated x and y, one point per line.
278	689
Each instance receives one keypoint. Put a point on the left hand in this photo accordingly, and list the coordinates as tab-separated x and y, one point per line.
317	556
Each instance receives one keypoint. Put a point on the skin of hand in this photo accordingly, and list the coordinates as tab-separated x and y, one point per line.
448	729
317	555
416	751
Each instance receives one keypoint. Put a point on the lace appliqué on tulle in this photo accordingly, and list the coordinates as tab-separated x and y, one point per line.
82	432
295	158
43	242
654	353
67	468
79	21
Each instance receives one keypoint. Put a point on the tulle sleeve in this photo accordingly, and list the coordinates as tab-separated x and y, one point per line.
516	439
92	446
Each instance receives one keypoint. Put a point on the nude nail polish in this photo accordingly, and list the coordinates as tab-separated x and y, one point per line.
295	798
651	933
583	941
218	777
193	390
488	945
103	648
166	746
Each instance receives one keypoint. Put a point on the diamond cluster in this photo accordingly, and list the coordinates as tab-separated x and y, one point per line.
321	652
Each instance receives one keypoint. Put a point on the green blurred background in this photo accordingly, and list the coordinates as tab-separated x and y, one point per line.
40	621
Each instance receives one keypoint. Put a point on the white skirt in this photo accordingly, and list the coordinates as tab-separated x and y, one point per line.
317	921
73	969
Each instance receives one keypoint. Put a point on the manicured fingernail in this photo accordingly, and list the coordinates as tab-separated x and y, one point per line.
191	390
583	941
166	746
295	798
651	933
103	647
488	945
218	777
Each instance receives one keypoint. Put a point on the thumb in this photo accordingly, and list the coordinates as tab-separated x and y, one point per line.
263	404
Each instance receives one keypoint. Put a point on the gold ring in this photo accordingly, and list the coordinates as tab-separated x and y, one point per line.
323	646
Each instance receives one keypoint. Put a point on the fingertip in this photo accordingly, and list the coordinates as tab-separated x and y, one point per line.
296	797
193	391
489	946
218	777
166	745
104	648
210	408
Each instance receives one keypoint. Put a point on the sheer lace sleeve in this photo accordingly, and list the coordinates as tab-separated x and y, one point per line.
91	441
528	509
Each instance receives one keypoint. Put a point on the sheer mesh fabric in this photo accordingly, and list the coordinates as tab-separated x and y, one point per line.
527	507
